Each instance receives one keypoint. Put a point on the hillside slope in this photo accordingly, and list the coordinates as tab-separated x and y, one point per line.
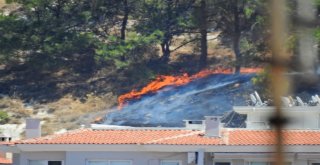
214	95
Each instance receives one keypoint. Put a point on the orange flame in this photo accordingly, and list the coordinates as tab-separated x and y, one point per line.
163	81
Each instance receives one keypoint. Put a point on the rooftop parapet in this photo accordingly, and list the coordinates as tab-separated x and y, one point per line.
288	101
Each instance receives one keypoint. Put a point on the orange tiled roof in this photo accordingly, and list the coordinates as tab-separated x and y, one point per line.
134	136
267	137
175	137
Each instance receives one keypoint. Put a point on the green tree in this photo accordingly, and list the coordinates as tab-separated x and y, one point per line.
51	29
11	40
241	19
55	31
171	17
51	32
123	53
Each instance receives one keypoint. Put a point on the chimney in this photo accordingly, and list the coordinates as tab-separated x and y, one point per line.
212	126
33	128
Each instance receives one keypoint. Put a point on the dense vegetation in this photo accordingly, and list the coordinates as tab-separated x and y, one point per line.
50	32
42	37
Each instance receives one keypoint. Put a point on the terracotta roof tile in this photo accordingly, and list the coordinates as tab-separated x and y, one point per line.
5	161
176	137
267	137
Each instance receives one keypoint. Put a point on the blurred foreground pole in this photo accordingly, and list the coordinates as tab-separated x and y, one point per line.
306	16
280	59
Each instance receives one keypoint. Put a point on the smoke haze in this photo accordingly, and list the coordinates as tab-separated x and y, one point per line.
213	95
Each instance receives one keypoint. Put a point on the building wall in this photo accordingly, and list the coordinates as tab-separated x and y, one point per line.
300	162
80	158
138	158
247	158
148	158
15	159
298	119
208	159
238	162
24	157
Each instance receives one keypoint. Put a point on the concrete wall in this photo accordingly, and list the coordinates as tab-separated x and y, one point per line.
143	158
301	117
16	159
298	120
300	162
208	159
238	162
24	157
138	158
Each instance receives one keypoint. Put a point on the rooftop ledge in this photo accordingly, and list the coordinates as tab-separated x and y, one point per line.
247	109
115	127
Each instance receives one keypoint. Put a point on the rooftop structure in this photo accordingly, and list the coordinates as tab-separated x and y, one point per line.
301	115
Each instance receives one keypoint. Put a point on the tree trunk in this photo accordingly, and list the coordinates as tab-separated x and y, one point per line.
165	45
236	38
125	20
203	32
58	9
165	52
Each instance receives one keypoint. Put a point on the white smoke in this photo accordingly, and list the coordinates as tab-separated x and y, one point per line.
213	95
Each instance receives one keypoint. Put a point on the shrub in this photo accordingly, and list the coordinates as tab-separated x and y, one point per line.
4	117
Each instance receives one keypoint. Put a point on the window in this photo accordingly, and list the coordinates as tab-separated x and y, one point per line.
96	162
170	162
54	163
109	162
120	162
222	163
285	163
44	162
37	162
260	163
267	163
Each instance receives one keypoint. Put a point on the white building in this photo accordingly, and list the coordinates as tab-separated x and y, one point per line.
299	117
201	143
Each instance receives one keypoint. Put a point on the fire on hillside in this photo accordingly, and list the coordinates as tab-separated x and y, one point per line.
165	80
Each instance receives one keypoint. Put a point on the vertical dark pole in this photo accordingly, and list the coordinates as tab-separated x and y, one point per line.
279	83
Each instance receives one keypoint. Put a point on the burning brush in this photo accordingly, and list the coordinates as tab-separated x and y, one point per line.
164	80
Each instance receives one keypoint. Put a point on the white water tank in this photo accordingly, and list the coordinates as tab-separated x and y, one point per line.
33	128
212	126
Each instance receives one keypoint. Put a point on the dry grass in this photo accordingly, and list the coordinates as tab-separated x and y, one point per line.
2	3
7	8
67	111
7	103
15	109
68	104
